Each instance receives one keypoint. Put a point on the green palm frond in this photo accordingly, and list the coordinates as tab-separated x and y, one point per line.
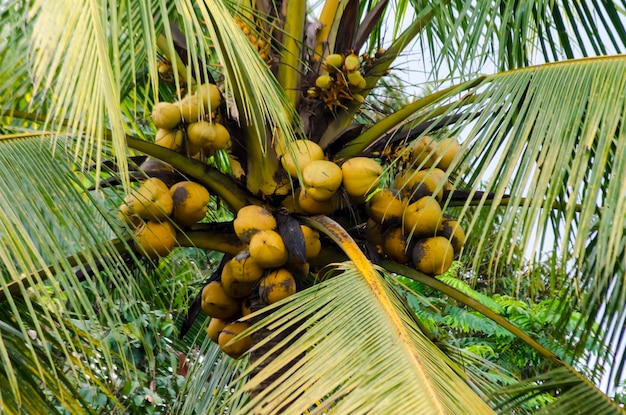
349	356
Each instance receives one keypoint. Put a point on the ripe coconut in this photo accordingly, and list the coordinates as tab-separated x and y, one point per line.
374	232
245	268
166	115
396	245
277	285
306	204
151	201
298	154
424	152
190	202
447	149
155	239
433	255
386	206
417	184
251	219
216	303
172	139
361	176
452	231
268	249
200	134
215	328
321	179
422	218
230	331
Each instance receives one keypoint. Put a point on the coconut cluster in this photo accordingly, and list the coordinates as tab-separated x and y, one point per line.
406	221
151	208
258	41
340	82
192	125
264	268
321	180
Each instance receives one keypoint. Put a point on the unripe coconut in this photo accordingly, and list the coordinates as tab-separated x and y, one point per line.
172	139
352	63
396	245
298	154
277	285
452	231
166	115
233	287
268	249
245	268
312	243
191	108
215	328
211	96
356	81
361	176
151	201
323	81
190	202
230	331
321	179
433	256
386	206
201	134
422	218
155	239
221	140
333	62
216	303
251	219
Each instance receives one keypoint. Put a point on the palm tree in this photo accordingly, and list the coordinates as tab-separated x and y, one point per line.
541	148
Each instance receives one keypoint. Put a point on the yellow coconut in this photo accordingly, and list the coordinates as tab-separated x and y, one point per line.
374	232
172	139
151	201
268	249
233	287
190	202
216	303
422	218
211	96
166	115
447	149
298	154
200	134
351	63
396	245
333	62
433	255
361	176
221	140
251	219
386	206
155	239
417	184
246	307
308	205
191	108
237	348
424	152
215	328
312	244
245	268
452	230
321	179
277	285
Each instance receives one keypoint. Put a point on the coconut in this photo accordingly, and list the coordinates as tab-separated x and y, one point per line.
432	256
361	176
298	154
154	239
251	219
277	285
166	115
321	179
190	202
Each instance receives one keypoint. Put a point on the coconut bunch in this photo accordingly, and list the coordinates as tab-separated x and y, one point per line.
340	82
153	206
192	125
407	222
267	267
321	181
260	43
